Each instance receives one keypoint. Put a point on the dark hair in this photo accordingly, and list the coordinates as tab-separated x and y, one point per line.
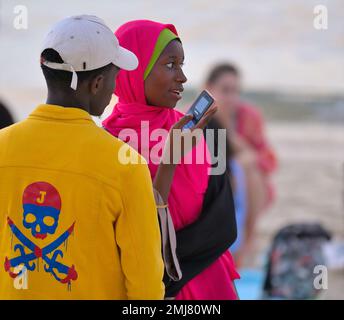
61	77
220	70
5	117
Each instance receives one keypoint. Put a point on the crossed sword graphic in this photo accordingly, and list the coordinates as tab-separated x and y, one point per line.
37	252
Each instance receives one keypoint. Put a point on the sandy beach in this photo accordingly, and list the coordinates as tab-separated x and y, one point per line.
309	185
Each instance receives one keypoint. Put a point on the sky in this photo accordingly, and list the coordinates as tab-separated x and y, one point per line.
274	42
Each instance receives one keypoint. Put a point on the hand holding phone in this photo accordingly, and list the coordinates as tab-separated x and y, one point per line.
201	105
187	125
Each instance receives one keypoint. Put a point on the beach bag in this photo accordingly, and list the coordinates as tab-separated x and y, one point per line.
295	251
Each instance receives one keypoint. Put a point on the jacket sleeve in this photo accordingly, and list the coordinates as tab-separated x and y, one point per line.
138	236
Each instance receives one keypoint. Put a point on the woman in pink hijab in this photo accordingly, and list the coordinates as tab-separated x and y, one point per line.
200	204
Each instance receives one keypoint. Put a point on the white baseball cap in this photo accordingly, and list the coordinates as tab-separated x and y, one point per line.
85	43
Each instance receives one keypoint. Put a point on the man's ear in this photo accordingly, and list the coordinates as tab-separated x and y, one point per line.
97	84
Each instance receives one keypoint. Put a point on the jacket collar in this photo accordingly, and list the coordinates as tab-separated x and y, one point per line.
54	112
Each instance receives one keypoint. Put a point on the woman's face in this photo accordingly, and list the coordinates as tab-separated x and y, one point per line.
164	84
226	90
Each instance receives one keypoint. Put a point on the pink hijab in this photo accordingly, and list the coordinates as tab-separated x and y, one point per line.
190	180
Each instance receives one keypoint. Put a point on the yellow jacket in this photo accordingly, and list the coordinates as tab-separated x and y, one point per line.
74	222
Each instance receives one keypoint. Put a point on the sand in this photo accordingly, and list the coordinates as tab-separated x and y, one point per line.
309	185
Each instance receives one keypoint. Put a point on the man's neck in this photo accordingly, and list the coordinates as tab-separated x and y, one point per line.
67	101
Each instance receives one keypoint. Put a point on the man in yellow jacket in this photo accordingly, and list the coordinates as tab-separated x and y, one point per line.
75	223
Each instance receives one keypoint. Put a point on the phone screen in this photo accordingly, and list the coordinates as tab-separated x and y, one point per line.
199	108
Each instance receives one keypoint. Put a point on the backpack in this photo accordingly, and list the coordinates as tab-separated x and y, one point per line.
295	251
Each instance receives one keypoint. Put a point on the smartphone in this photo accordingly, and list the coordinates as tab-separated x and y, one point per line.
199	108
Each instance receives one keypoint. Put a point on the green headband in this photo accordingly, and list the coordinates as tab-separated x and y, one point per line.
165	37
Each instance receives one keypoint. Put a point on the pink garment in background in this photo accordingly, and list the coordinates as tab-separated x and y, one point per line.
190	180
250	126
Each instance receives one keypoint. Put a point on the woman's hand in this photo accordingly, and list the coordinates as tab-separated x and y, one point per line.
174	150
180	142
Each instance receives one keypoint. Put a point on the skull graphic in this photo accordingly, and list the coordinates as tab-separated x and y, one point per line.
42	206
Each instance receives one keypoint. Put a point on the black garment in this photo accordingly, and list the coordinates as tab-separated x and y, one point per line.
5	117
204	241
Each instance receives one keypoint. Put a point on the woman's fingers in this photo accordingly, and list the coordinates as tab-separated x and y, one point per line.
201	124
182	122
206	118
173	145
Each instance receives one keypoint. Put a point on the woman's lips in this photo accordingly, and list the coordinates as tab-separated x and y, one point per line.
177	94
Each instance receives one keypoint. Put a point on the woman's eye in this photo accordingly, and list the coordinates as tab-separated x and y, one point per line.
172	65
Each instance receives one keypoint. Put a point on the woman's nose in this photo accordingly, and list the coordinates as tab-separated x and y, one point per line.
181	76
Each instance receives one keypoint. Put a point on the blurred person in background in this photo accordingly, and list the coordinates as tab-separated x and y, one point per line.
252	160
6	118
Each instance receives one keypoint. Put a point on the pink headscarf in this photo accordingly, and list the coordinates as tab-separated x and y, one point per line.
190	180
